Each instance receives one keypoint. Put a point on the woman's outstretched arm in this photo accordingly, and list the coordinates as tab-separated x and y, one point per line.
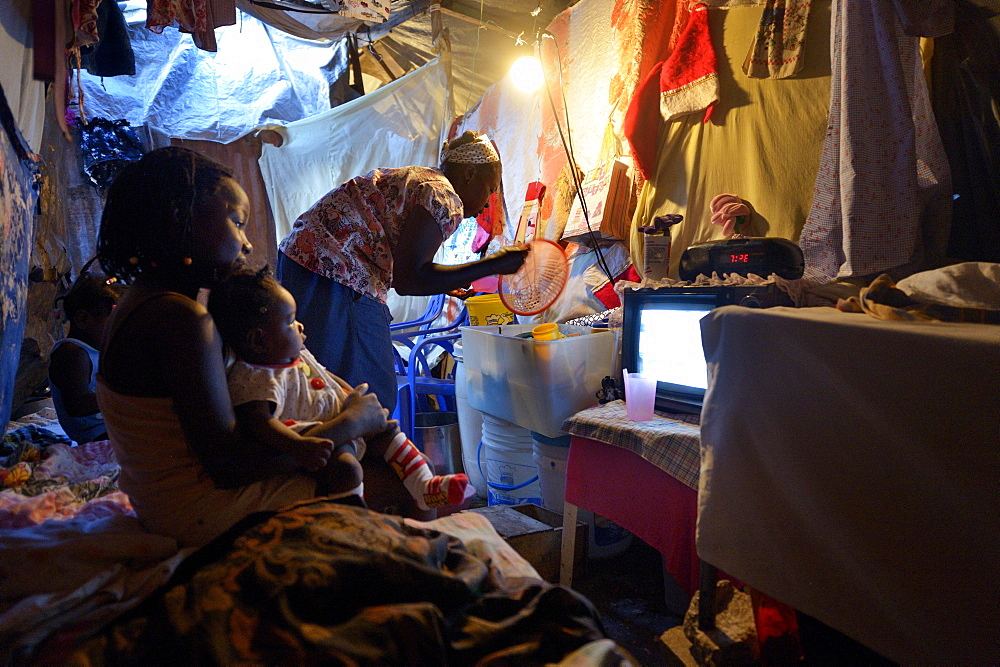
415	273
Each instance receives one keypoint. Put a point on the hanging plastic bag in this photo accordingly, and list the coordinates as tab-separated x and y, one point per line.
107	146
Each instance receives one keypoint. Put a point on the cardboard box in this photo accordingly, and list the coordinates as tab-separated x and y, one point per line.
536	534
611	200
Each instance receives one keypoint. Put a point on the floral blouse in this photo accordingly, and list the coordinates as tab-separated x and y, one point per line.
348	235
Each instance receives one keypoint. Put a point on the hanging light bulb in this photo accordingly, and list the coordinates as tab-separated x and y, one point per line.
526	73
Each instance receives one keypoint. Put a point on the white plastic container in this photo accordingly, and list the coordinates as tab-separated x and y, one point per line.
605	538
507	464
536	385
551	462
470	427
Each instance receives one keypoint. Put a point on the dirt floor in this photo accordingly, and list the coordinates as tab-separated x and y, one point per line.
637	609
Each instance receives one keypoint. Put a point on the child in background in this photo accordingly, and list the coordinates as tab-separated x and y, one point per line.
285	398
87	307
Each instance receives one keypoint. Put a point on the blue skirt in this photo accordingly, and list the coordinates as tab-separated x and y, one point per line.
346	331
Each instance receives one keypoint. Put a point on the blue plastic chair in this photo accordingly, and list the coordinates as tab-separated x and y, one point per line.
413	375
434	306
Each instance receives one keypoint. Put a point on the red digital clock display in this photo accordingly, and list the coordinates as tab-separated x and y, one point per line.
739	258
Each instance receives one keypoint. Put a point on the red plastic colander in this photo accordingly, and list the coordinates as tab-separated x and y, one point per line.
539	281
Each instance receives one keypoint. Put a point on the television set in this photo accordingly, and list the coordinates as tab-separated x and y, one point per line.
661	336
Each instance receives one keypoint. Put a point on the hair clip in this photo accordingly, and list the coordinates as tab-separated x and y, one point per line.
186	261
263	309
133	260
152	265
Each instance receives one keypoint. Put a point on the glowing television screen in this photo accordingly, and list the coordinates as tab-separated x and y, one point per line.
661	337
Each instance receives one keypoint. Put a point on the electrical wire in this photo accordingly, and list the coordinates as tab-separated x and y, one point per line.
475	52
568	148
566	142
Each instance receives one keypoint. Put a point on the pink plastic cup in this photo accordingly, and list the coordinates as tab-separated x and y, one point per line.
640	396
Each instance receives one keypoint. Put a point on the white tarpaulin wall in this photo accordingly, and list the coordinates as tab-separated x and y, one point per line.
259	75
400	124
521	123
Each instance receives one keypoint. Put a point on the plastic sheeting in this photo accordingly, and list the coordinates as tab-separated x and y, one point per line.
25	96
18	173
259	75
397	125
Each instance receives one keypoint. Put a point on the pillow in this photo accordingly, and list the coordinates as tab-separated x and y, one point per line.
965	285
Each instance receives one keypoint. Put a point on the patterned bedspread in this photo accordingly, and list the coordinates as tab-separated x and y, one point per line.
320	582
326	583
43	477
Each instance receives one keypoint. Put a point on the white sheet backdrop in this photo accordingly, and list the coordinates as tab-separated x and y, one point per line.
397	125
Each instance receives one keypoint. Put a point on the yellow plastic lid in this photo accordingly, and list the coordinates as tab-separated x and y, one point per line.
547	331
484	298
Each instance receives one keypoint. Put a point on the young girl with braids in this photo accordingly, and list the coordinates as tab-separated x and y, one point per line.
382	230
281	394
173	224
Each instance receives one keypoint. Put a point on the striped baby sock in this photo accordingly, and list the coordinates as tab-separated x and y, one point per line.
427	489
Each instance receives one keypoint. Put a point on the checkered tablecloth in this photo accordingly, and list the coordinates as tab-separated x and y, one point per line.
671	442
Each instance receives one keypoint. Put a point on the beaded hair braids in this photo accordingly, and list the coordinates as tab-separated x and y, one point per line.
147	223
241	302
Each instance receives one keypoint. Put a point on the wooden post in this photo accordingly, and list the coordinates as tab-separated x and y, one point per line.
707	576
567	554
435	8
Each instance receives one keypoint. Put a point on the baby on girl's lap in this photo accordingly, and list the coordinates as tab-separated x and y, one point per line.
285	398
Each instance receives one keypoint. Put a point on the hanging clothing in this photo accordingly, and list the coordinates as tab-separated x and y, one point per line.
198	17
776	51
111	54
882	193
763	143
685	82
322	151
966	95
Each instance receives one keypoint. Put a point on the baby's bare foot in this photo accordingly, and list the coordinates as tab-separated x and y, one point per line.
342	473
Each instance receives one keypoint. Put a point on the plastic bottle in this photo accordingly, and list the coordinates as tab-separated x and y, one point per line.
548	331
656	244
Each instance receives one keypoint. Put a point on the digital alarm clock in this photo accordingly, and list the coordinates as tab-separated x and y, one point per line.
759	255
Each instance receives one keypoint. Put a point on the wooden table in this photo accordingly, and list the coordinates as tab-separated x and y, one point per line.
612	473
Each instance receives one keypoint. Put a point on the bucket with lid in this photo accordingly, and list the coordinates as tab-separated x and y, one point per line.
506	463
470	426
550	456
604	537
